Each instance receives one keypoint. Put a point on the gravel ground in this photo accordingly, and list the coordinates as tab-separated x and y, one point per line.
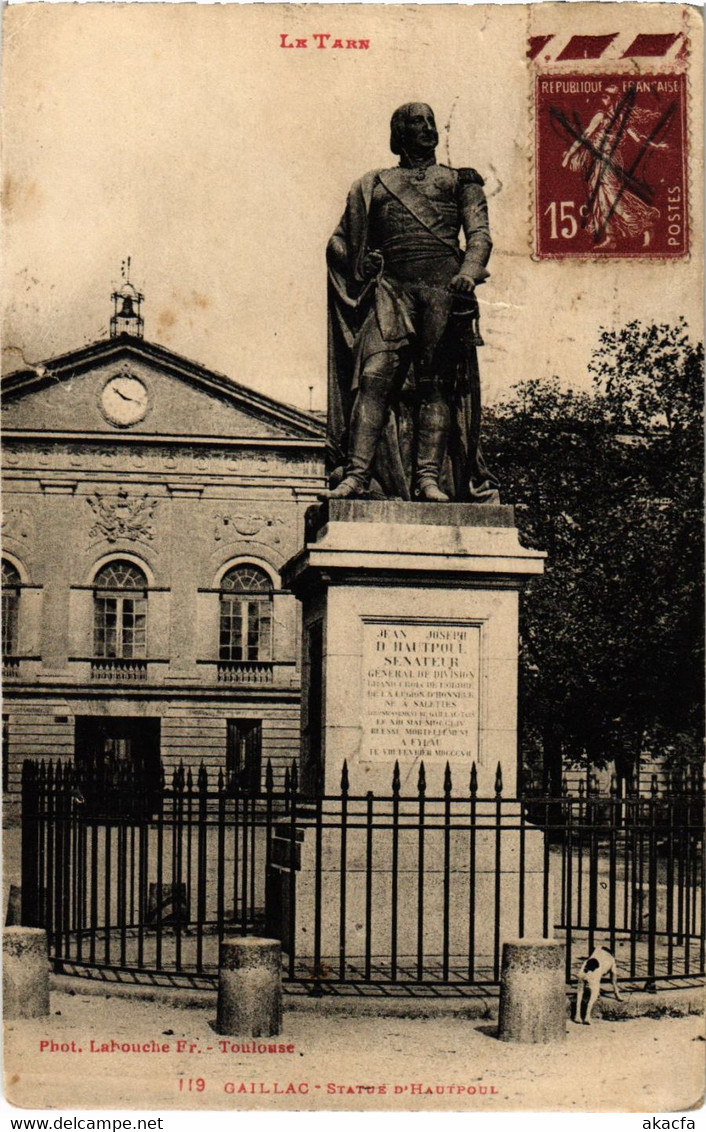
641	1065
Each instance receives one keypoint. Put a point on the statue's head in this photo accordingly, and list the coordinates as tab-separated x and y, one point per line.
413	130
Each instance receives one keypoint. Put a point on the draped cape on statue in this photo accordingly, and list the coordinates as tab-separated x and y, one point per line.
351	301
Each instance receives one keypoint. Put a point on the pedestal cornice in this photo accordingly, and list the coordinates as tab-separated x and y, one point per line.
456	543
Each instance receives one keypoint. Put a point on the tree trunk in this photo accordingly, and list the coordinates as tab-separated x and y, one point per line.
553	764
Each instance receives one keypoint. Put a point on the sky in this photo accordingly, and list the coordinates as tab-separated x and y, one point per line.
188	138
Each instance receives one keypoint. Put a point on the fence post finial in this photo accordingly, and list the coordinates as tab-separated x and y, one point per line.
344	777
499	780
474	779
447	779
396	777
422	780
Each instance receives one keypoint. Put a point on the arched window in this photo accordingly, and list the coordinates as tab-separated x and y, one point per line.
120	611
246	614
10	607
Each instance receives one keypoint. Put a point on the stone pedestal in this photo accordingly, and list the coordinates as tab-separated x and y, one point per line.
249	987
532	992
369	880
25	973
410	645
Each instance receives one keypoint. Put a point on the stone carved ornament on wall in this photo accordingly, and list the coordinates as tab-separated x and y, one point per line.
18	524
262	527
119	516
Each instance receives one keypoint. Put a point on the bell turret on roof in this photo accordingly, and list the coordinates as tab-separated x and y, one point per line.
126	318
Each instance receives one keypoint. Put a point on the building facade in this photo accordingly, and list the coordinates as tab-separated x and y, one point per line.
149	505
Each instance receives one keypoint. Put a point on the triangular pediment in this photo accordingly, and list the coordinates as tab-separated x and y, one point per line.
126	385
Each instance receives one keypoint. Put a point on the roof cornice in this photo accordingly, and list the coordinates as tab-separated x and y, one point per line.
69	365
157	439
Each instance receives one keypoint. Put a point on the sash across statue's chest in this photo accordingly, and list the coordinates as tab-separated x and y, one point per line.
423	211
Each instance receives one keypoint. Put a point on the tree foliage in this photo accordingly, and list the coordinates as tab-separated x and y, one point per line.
609	484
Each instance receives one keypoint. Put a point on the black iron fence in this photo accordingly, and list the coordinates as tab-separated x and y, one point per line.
394	893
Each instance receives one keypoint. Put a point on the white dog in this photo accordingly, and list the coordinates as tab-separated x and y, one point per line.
599	964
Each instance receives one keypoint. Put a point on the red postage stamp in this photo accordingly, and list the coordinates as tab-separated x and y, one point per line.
610	166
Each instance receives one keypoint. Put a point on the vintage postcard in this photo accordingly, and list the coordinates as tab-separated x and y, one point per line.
352	557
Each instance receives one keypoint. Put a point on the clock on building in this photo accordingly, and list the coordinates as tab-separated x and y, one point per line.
124	400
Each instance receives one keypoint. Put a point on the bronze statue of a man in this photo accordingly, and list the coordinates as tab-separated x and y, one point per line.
404	389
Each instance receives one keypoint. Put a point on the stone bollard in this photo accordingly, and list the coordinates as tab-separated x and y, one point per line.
14	907
25	973
250	987
532	992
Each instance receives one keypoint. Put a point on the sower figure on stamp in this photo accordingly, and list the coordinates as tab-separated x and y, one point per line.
404	388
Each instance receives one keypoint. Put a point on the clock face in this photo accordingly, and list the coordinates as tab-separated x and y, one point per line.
124	400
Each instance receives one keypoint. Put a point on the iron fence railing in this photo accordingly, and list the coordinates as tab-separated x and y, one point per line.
395	891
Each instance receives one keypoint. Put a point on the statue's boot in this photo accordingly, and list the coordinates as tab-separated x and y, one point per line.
367	422
348	488
432	437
